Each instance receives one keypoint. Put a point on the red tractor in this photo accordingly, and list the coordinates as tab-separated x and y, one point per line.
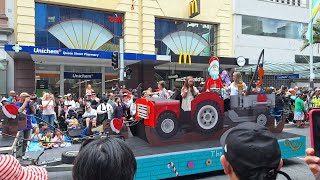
161	119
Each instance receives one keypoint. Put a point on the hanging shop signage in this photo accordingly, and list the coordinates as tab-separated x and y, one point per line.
84	76
63	52
194	8
195	79
42	84
174	76
286	77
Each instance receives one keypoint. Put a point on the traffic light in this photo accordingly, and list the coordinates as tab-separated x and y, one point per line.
115	60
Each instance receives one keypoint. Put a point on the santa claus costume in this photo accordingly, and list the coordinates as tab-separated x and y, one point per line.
214	80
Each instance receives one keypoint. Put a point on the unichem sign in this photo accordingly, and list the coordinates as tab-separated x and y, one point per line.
46	51
194	8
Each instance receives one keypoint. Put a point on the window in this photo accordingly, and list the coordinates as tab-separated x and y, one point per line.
205	32
272	27
50	15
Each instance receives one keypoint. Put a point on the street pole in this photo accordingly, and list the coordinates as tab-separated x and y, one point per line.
311	49
121	51
311	66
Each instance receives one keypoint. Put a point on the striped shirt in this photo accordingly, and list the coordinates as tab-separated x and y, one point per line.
11	169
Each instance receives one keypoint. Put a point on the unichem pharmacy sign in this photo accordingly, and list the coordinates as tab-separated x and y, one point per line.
46	51
68	52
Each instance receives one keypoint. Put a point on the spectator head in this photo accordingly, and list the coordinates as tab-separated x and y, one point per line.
250	152
12	93
93	95
111	96
36	130
117	100
48	133
161	84
69	96
58	132
88	107
43	125
237	77
46	97
89	86
23	96
123	86
88	95
304	97
105	157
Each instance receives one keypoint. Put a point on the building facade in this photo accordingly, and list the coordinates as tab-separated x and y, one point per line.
278	27
156	29
6	30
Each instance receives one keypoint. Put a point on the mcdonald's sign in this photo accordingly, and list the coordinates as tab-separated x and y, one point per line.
194	8
186	57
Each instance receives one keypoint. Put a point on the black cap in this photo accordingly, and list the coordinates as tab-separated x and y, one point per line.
252	151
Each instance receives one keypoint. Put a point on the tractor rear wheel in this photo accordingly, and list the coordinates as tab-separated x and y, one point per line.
208	117
167	125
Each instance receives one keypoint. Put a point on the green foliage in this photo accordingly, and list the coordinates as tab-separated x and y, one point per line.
316	35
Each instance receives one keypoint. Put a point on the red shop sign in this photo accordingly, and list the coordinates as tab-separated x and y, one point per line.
115	19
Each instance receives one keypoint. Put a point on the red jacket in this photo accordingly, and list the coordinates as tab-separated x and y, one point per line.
210	82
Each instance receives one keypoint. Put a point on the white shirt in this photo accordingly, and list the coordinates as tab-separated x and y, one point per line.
70	103
104	108
133	109
186	101
49	110
234	89
92	112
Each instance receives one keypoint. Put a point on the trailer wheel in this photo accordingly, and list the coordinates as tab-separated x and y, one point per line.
208	117
262	119
167	125
68	157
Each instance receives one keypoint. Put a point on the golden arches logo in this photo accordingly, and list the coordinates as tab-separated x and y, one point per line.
194	8
186	57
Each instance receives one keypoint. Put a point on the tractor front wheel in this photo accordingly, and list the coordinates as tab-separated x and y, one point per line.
167	125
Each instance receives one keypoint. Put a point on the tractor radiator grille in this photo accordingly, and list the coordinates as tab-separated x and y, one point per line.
143	111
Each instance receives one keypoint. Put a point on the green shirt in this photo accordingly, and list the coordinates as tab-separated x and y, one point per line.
299	105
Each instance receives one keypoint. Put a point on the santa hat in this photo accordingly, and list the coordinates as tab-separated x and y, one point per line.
213	61
116	125
10	111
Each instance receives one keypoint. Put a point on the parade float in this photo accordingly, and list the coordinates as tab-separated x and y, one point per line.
166	145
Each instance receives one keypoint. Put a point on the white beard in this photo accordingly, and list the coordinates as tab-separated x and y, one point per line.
213	73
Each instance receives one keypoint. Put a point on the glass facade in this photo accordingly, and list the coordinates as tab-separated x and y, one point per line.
272	27
164	27
49	15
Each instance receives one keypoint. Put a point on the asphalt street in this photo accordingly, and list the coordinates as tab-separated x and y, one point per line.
295	167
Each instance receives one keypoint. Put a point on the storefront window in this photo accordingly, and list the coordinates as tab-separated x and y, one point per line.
3	77
184	37
50	74
78	77
272	27
112	78
66	27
